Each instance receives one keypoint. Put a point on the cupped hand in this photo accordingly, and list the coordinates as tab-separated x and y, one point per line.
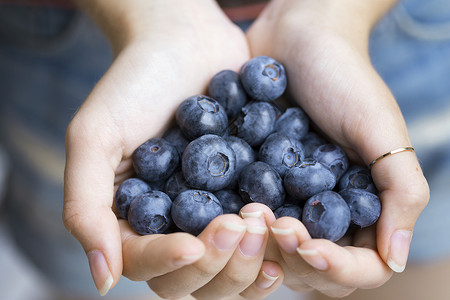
165	51
324	47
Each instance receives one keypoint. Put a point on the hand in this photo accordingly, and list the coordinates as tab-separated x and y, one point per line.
324	47
165	51
230	243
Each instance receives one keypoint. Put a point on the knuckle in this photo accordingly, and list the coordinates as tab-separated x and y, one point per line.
418	195
71	219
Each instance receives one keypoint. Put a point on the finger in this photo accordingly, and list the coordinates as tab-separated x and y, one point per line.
172	251
269	280
221	238
340	270
404	194
257	210
243	267
326	266
88	194
289	233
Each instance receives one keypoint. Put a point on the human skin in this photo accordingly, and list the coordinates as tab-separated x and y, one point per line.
165	51
324	47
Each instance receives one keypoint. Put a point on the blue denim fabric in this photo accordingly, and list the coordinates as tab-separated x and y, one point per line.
410	48
50	59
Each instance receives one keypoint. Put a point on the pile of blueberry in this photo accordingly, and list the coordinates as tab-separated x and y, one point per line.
238	146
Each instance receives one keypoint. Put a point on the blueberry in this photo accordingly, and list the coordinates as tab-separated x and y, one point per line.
293	122
311	141
157	185
281	152
176	184
245	155
289	199
326	215
288	210
333	157
365	207
192	210
150	213
176	137
259	182
199	115
128	190
231	201
227	89
155	160
208	163
357	177
263	78
307	179
255	122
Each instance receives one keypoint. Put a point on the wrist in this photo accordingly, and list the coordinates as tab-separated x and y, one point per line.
124	22
351	20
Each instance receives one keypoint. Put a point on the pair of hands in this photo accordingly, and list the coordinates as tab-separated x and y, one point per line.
166	51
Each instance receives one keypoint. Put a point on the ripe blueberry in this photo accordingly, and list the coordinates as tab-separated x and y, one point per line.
357	177
333	157
281	152
176	138
128	190
192	210
231	201
263	78
259	182
288	210
293	122
150	213
245	155
199	115
227	89
155	160
365	207
208	163
326	215
307	179
255	122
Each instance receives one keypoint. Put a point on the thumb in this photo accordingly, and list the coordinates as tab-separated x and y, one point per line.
88	195
404	193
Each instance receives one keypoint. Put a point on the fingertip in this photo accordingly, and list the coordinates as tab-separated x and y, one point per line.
318	253
257	210
193	249
100	272
99	235
289	233
269	279
270	273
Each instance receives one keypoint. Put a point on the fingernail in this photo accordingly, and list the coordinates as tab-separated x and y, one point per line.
265	281
253	240
398	255
313	258
100	272
228	235
286	239
253	214
187	260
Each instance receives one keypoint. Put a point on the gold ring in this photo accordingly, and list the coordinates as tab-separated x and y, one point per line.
390	153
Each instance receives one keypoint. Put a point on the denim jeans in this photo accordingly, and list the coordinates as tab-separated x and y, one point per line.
50	59
410	48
